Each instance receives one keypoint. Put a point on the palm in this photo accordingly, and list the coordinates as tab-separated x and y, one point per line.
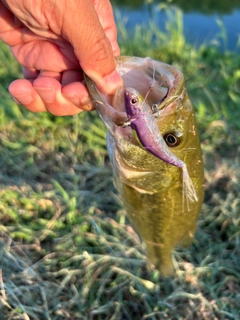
42	54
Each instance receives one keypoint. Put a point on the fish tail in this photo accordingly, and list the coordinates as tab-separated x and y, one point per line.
165	266
161	257
189	191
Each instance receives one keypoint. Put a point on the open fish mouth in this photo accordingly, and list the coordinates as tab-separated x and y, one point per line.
162	86
157	81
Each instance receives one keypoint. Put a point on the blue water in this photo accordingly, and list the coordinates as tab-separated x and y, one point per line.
198	28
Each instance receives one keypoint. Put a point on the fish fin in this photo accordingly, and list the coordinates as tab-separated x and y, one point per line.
142	191
161	257
189	191
165	267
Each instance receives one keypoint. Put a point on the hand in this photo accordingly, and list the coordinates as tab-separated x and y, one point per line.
55	41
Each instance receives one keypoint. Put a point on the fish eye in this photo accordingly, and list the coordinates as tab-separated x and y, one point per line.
171	139
134	100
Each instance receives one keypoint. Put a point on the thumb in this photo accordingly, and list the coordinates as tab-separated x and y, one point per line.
82	28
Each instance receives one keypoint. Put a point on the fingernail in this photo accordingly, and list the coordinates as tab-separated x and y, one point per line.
85	100
47	94
24	99
108	84
77	101
112	82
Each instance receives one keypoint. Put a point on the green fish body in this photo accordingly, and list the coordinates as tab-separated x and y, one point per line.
151	189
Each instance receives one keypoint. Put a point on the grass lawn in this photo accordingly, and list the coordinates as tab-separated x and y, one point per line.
67	250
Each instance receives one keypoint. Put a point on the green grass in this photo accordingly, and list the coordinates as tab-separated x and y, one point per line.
67	250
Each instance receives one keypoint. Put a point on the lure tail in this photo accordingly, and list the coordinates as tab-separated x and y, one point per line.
188	188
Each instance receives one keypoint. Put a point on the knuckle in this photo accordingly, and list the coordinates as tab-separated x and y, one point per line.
102	50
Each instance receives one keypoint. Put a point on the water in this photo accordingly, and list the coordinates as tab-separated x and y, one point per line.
200	28
200	21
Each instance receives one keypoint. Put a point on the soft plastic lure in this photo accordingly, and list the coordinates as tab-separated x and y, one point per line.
146	131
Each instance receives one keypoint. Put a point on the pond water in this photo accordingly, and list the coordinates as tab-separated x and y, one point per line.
199	19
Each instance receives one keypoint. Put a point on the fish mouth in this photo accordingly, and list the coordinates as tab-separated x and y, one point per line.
161	85
157	81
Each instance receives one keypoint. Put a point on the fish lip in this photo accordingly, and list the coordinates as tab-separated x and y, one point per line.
126	101
127	97
125	64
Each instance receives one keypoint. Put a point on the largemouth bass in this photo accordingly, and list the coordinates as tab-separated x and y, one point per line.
151	188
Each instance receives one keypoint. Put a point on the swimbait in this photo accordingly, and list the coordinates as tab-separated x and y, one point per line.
152	190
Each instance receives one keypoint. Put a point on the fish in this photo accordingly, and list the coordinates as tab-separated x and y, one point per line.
161	203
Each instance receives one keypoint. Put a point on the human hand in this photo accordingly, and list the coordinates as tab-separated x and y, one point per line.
55	41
